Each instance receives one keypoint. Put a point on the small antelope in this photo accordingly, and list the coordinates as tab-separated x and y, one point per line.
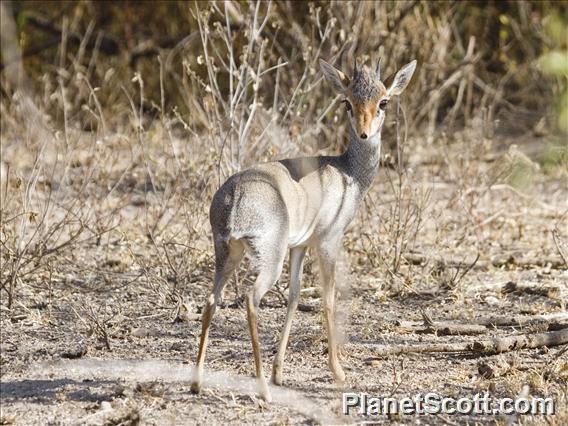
296	204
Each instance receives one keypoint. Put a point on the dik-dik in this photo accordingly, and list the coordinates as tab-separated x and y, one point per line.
296	204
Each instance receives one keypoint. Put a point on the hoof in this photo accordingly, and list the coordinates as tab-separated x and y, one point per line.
276	379
264	392
339	376
195	387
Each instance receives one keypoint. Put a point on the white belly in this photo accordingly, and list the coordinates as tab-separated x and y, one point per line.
318	210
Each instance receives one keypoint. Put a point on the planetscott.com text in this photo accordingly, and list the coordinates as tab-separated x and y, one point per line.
363	404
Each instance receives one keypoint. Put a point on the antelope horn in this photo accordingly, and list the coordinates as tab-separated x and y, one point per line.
355	67
378	69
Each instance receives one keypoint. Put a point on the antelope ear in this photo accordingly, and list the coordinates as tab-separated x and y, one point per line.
338	80
401	79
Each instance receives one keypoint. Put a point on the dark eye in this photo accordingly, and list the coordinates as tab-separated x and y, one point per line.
347	105
383	104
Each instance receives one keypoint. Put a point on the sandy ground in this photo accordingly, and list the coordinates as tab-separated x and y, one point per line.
56	367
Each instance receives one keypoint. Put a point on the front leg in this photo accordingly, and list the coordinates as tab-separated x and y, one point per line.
327	259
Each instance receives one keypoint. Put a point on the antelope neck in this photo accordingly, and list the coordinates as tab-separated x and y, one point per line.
362	158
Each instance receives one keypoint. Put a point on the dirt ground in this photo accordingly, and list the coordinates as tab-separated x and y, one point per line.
111	335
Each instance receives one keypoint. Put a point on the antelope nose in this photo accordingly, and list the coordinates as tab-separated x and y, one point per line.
363	135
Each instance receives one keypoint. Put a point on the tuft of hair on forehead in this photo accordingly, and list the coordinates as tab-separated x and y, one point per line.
366	86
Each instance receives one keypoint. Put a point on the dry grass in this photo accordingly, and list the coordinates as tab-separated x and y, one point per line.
107	172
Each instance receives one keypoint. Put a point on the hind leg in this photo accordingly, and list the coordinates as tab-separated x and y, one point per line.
227	258
269	263
296	264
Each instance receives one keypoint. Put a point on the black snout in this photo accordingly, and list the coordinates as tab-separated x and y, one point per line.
363	135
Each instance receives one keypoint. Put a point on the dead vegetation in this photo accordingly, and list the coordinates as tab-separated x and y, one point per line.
114	139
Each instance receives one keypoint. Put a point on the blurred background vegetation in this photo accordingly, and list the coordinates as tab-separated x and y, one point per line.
502	62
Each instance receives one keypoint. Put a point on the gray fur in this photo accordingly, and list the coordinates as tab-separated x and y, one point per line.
366	86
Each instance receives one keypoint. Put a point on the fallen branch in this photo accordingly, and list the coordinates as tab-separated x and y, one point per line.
552	292
451	329
527	262
553	326
441	328
522	341
547	322
446	328
490	346
555	262
384	350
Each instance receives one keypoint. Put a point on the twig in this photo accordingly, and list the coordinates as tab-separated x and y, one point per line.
556	238
108	44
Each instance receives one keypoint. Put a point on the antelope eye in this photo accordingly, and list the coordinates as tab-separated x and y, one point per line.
383	104
347	105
